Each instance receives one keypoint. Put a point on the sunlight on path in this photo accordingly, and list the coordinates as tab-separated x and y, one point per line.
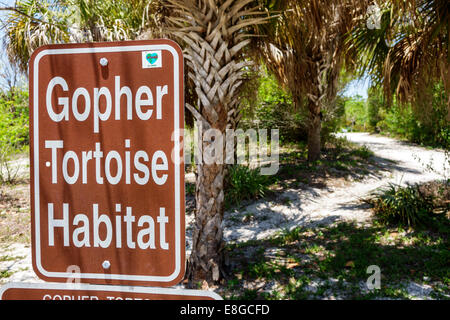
420	164
401	163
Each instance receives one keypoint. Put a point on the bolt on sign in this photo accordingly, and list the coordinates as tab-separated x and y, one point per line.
107	176
64	291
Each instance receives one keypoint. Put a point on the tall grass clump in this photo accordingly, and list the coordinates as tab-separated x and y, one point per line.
410	205
244	183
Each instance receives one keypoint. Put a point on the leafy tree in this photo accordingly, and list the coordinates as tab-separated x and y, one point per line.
409	51
33	23
306	49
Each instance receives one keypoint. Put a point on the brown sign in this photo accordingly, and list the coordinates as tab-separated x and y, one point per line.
63	291
107	180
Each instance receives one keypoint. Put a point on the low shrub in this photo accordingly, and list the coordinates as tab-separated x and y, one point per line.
14	120
14	137
244	183
273	108
412	205
423	122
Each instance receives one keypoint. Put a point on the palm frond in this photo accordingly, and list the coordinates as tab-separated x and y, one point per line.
215	35
34	23
418	54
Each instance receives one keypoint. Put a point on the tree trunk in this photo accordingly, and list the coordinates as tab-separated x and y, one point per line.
206	258
315	126
205	261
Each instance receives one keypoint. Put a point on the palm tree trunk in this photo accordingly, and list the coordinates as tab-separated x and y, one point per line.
205	260
206	257
314	129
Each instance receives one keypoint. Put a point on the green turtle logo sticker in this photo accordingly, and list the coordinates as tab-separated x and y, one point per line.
151	59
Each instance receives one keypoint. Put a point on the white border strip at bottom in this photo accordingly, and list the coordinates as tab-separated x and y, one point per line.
91	287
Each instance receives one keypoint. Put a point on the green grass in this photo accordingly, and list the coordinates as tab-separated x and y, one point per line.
343	252
10	258
5	274
362	152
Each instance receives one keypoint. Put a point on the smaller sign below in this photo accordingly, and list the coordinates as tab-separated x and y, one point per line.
78	291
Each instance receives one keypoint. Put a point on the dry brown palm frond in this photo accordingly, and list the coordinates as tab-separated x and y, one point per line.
419	58
307	42
25	35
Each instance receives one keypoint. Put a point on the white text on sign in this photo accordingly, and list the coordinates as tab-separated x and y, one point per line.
83	230
143	99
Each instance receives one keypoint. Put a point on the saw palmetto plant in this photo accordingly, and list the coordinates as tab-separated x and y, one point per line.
31	25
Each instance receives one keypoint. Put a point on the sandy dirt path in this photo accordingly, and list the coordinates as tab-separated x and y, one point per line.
398	162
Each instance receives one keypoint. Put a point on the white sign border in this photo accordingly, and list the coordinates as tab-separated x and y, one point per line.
103	276
95	287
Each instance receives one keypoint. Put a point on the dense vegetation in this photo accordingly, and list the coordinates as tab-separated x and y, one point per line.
14	137
14	118
407	121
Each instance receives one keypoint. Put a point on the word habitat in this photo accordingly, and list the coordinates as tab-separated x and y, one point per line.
107	180
81	234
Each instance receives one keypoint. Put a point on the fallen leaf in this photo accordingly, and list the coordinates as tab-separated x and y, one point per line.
292	265
350	264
